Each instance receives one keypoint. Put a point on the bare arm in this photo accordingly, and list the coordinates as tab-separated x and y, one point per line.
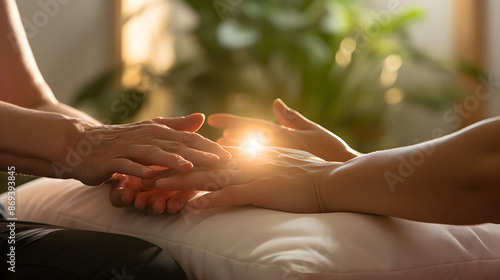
21	82
60	141
453	179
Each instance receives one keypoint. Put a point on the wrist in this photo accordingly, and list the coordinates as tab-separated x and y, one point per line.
324	187
69	151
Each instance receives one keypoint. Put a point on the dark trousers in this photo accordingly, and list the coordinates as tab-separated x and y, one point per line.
50	252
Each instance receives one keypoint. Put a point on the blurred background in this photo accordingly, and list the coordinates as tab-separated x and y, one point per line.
379	73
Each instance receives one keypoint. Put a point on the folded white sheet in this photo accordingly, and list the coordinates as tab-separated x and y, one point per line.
251	243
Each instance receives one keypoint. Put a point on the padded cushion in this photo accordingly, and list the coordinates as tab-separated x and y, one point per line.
252	243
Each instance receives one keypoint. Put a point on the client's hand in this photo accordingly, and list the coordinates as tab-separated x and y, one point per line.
127	190
276	178
296	132
97	152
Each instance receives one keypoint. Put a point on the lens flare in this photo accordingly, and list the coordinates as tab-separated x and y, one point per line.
252	145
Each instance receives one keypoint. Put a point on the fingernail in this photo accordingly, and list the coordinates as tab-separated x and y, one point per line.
183	162
208	155
159	184
124	200
147	171
227	155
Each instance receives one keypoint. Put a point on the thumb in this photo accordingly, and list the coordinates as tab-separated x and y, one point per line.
288	117
190	123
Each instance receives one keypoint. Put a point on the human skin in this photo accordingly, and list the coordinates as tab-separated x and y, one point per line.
453	179
293	131
39	134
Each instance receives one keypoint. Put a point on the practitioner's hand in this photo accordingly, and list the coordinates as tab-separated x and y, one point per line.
127	190
276	178
295	131
97	152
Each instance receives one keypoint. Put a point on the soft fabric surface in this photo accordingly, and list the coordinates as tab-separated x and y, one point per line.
252	243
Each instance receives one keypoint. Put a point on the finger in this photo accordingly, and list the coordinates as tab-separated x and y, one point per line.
157	206
231	121
205	180
180	200
190	123
264	136
230	196
196	141
196	157
153	201
141	200
120	194
288	117
129	167
228	142
154	155
121	197
150	181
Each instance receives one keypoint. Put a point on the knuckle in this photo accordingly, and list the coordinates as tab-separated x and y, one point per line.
191	138
173	146
156	127
151	149
148	122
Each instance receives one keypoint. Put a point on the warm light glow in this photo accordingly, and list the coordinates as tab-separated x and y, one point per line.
342	59
388	78
393	62
252	145
344	53
147	41
144	36
389	74
393	96
131	76
348	45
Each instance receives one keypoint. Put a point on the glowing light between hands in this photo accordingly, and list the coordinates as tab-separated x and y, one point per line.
252	145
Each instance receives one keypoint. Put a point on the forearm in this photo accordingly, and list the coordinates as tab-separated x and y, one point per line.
27	165
35	134
57	107
20	79
454	179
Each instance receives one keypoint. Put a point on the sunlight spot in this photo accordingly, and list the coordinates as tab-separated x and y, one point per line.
344	53
393	96
393	62
252	145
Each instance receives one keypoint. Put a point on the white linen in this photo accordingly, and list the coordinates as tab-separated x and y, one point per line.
252	243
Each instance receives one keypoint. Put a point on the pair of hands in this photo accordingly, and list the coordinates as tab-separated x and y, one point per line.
287	178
